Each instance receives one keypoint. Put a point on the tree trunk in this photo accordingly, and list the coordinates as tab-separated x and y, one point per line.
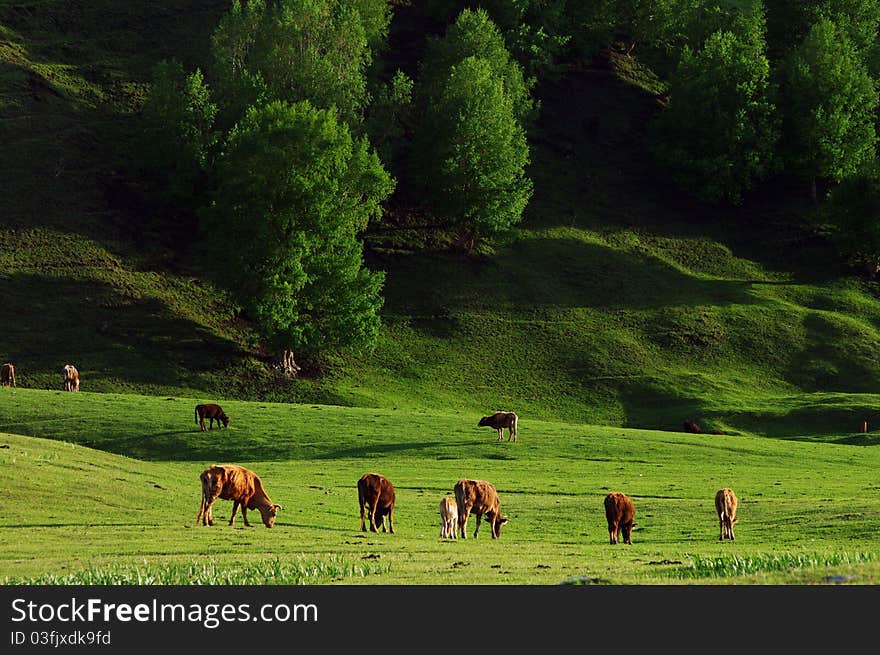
285	363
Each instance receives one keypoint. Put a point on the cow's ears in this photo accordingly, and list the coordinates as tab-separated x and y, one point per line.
278	507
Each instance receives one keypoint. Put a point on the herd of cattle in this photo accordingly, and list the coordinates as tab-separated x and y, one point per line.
376	497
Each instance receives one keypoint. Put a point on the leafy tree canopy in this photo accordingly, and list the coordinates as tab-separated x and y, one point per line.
294	192
718	134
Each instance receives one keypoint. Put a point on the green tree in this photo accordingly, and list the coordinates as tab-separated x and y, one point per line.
178	137
475	153
853	216
316	50
830	104
717	136
789	21
475	35
294	192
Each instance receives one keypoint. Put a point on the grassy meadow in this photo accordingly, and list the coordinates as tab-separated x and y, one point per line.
82	512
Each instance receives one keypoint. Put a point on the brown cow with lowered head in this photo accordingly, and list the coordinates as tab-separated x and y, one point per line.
725	506
619	512
213	413
499	421
376	493
481	498
240	485
7	375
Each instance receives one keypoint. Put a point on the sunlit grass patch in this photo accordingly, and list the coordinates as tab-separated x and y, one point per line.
732	565
211	572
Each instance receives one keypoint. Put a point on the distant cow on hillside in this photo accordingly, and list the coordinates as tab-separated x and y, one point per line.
725	506
71	378
376	496
694	428
213	413
448	518
481	498
240	485
7	375
499	421
619	512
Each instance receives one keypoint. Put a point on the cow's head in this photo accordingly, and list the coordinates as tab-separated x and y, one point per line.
269	514
225	420
497	525
626	532
483	422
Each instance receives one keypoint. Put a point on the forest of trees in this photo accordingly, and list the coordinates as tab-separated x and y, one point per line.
300	133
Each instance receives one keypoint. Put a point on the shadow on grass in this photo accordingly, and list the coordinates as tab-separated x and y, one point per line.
106	331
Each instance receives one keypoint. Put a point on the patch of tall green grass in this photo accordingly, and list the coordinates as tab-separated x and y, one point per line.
728	566
211	572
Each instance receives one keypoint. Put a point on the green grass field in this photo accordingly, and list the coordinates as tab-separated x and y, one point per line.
809	512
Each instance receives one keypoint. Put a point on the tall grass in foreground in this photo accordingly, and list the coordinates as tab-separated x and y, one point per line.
732	565
264	572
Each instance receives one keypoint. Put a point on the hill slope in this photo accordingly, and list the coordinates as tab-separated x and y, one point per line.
616	302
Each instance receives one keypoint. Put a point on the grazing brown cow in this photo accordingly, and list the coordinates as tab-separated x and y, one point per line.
619	512
448	518
499	421
7	375
481	498
376	493
71	378
213	413
241	486
692	426
725	506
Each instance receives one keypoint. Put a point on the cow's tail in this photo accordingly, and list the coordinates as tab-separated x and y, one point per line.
515	424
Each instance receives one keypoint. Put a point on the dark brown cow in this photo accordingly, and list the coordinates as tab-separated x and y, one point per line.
725	506
376	494
619	512
7	375
499	421
692	426
240	485
71	378
481	498
213	413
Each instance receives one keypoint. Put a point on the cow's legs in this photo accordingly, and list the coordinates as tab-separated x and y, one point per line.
373	527
244	514
500	434
390	520
363	522
723	529
462	523
612	531
235	504
477	530
202	423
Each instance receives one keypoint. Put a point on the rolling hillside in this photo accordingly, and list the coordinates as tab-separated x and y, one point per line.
616	302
